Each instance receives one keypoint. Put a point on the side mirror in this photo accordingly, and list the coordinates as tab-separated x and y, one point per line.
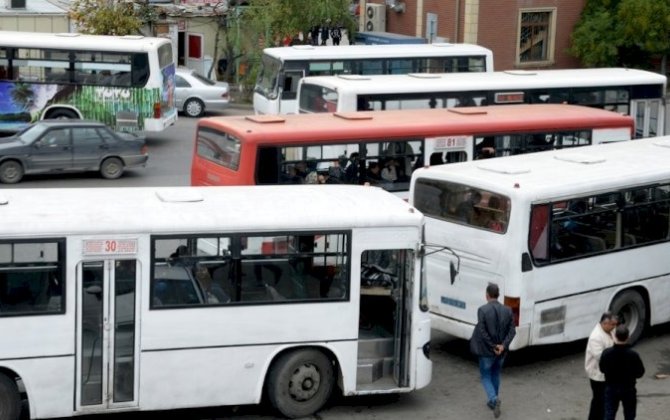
453	272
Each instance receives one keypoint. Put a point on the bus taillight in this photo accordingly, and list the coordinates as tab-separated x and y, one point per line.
157	110
515	305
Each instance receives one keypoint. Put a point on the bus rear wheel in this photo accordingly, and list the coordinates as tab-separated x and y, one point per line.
300	383
10	401
631	310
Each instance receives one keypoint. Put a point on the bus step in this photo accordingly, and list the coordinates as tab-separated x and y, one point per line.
371	370
370	348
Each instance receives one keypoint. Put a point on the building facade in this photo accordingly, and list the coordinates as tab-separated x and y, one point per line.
523	34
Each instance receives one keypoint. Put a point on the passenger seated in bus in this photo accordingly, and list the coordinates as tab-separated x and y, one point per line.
466	210
212	292
328	177
351	171
373	174
291	176
390	171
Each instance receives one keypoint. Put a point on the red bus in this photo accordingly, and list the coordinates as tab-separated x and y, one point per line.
384	147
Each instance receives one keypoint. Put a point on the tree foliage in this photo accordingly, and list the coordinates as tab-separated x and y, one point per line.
274	20
622	33
106	17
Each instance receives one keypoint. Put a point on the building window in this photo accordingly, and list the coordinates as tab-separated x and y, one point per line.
536	36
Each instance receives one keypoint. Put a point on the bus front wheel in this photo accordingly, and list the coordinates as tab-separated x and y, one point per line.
63	114
300	382
631	310
10	400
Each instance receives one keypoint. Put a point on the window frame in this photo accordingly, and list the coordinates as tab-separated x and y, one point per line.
551	31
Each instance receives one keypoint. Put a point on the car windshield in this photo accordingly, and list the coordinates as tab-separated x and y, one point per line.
203	79
30	133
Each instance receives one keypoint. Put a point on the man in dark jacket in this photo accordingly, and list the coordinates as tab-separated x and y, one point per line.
622	367
490	342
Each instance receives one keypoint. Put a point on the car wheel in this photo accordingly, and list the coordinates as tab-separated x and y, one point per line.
300	382
194	108
10	401
11	172
63	114
631	310
111	168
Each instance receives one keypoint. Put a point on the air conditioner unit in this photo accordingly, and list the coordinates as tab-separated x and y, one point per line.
375	17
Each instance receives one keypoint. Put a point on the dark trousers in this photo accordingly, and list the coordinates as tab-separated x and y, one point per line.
597	410
626	394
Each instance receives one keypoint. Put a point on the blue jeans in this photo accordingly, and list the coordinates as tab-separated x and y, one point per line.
489	369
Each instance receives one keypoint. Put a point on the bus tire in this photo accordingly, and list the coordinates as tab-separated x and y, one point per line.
629	306
300	382
63	114
11	172
10	400
111	168
194	108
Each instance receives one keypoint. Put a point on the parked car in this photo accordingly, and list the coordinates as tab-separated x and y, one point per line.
58	146
194	93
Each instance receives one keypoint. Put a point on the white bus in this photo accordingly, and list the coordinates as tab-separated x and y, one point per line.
632	92
127	82
165	298
567	234
283	67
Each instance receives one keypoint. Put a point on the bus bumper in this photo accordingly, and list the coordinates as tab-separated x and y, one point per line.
160	124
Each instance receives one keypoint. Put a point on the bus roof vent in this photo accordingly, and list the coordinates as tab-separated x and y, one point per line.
474	110
265	119
662	142
442	44
132	36
179	195
502	167
3	200
303	47
353	77
68	34
425	75
580	158
353	115
521	72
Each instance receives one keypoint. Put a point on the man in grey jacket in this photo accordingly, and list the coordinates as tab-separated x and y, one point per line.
490	342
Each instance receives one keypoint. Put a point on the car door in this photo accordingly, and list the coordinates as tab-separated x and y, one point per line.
181	90
89	148
52	151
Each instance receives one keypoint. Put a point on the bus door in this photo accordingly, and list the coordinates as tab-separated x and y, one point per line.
649	117
385	319
107	331
288	91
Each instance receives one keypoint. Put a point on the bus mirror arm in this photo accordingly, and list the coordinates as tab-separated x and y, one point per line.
453	269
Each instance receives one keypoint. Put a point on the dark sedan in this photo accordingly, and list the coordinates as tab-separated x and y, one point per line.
59	146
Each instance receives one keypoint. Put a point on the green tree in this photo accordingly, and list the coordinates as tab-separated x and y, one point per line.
108	17
622	33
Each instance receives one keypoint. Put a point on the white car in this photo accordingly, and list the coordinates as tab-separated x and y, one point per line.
195	94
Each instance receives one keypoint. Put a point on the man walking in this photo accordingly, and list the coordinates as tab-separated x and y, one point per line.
622	367
600	339
490	342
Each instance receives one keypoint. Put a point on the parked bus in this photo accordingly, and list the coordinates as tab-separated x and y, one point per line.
127	82
627	91
384	148
283	67
213	299
566	234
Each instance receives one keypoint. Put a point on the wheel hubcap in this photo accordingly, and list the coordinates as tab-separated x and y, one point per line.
304	383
